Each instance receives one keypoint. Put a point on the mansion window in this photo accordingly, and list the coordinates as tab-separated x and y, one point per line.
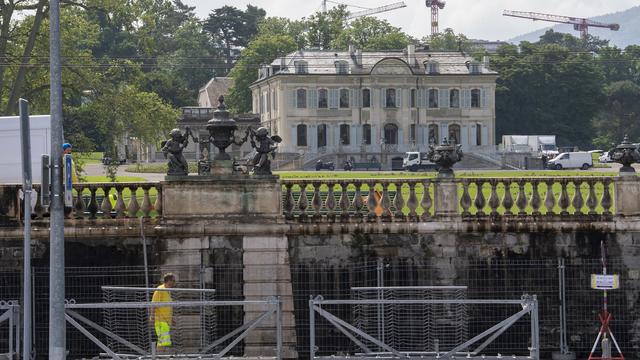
454	133
433	98
302	135
475	98
322	135
390	134
454	98
342	67
366	134
390	98
433	134
323	101
344	134
301	67
344	98
412	100
412	133
366	98
301	98
478	134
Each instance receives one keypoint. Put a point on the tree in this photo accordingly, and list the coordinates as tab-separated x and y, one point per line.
323	28
232	28
296	29
449	41
369	33
620	115
262	50
545	88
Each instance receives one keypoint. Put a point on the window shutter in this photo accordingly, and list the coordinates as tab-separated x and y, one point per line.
466	98
383	94
294	95
294	138
398	98
483	98
334	96
444	98
353	98
425	98
312	98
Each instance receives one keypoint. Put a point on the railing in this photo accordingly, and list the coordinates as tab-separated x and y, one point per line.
109	200
10	313
407	200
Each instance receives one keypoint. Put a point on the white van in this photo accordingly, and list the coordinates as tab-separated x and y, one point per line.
571	160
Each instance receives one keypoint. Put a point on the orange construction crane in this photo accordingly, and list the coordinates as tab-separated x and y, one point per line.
435	5
579	24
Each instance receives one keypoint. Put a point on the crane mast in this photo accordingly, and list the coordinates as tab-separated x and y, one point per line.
435	6
579	24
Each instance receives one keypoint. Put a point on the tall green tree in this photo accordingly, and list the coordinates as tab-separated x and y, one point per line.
323	28
620	115
232	28
261	50
448	40
369	33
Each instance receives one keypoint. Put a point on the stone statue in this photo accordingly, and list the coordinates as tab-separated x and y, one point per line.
172	149
264	146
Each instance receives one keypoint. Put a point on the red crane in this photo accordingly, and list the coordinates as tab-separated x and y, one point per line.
435	5
579	24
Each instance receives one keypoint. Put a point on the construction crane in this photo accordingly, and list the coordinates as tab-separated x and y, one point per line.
366	11
394	6
579	24
435	5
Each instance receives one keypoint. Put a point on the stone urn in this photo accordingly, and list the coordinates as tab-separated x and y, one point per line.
626	154
445	155
221	130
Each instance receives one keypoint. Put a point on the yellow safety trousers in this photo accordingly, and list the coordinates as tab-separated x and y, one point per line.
163	331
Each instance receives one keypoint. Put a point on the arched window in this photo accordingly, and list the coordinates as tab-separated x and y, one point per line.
390	98
434	134
475	98
322	135
302	135
344	98
454	98
454	133
345	134
366	134
366	98
323	102
301	98
390	134
433	98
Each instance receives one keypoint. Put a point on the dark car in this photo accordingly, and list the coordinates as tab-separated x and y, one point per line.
107	160
321	165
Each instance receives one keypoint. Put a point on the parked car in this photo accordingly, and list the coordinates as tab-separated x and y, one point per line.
571	160
107	160
321	165
605	157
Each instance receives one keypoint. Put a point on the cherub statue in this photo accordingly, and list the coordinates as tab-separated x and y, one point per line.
264	145
172	149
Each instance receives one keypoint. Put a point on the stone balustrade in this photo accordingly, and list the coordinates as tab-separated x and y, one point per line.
404	200
372	200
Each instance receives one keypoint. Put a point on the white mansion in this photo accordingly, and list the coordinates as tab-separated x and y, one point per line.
354	102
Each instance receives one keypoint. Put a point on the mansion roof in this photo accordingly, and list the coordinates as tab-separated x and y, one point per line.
409	62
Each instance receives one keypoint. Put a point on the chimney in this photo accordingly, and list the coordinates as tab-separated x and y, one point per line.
486	62
411	55
358	58
283	64
352	49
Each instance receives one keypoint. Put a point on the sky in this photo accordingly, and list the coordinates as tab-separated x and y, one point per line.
477	19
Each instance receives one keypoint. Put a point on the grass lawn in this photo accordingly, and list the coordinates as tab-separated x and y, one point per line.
339	175
156	168
89	157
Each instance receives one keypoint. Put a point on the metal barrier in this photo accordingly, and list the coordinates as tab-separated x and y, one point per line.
529	305
10	313
270	308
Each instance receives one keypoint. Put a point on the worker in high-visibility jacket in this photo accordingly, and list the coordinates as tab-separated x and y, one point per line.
161	316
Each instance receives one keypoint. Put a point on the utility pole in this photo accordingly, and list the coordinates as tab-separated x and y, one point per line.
27	189
57	322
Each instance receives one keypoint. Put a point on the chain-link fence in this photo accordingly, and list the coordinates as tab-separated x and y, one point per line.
483	279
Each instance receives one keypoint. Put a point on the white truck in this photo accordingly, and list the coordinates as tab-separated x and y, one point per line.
417	161
10	147
536	144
